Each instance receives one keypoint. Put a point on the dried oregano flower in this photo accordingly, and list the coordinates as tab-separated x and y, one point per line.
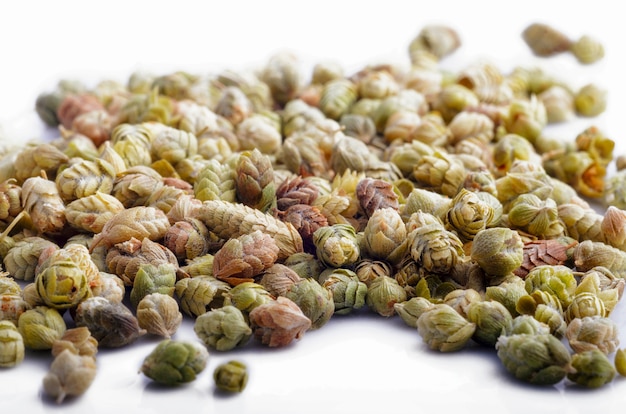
11	345
544	40
31	160
591	369
497	250
589	254
85	178
315	301
492	319
40	327
254	180
200	294
347	290
410	310
539	359
62	284
231	220
468	214
278	279
557	280
383	293
215	181
173	362
439	40
231	376
159	314
242	258
246	296
584	304
527	324
278	322
90	213
385	235
78	341
507	293
443	329
137	222
69	375
152	279
42	201
337	245
592	332
133	186
223	328
124	259
113	324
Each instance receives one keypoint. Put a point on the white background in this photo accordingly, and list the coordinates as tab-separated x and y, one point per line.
358	363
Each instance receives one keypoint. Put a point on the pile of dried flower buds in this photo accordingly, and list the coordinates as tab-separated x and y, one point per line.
261	204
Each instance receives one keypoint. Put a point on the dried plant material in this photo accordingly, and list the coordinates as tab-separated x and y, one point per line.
187	239
223	328
74	105
592	332
589	254
231	220
306	220
152	279
78	341
254	180
215	181
11	345
278	279
124	259
241	259
443	329
385	236
231	376
545	252
138	222
587	50
159	314
43	203
32	159
10	200
174	362
40	327
135	185
279	322
69	375
438	40
374	194
197	295
111	323
12	306
544	40
297	190
85	178
383	293
90	213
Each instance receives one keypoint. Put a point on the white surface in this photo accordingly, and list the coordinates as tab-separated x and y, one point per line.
357	363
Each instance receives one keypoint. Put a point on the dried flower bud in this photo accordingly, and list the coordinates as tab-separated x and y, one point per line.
411	309
111	323
590	100
138	222
42	201
74	105
62	284
498	250
468	214
336	245
383	293
246	296
436	39
11	345
173	363
544	40
200	294
91	213
337	96
278	322
69	375
21	260
557	280
443	329
535	216
584	304
540	359
223	328
384	236
507	293
283	77
591	369
492	319
592	332
152	279
440	172
527	324
587	50
589	254
40	327
231	376
620	361
159	314
347	290
78	341
315	301
85	178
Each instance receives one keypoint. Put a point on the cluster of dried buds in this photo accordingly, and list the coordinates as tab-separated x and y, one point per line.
261	204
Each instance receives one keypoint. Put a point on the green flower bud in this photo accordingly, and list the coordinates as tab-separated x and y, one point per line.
592	332
231	376
527	324
443	329
223	328
498	251
410	310
347	290
153	279
173	362
246	296
537	359
584	304
337	245
199	294
316	301
558	280
40	327
492	320
507	293
62	284
468	215
591	369
11	345
383	293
